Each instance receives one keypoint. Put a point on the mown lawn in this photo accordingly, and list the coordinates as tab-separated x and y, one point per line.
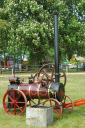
75	89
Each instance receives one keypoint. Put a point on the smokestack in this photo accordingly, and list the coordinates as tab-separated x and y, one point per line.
56	47
57	87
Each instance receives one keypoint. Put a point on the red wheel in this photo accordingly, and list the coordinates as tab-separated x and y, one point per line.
57	108
42	79
49	71
67	104
33	102
14	102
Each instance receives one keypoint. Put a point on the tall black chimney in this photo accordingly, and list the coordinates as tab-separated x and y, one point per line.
56	47
57	88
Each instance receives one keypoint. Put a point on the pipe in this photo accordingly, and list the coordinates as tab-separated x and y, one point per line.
56	47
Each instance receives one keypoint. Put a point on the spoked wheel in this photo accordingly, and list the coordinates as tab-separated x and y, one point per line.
57	108
42	79
14	102
49	71
67	104
33	102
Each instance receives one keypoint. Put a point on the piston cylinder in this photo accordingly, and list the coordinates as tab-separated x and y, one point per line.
34	91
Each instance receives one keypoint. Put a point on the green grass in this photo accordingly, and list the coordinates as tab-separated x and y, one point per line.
75	89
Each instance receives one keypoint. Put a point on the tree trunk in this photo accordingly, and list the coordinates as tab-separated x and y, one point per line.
4	59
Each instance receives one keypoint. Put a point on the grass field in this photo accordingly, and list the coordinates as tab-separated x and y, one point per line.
75	89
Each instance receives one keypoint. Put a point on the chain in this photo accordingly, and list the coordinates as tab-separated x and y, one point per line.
77	100
46	106
76	89
74	111
80	113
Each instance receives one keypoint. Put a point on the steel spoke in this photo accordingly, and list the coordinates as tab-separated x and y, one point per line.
14	94
51	77
33	101
46	73
20	102
10	97
18	97
10	108
50	103
14	109
14	104
42	76
68	105
57	109
61	75
65	100
8	102
19	107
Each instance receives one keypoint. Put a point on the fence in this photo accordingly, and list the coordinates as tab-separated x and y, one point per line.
35	68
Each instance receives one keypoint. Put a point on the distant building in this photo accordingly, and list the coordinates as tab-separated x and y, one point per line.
8	63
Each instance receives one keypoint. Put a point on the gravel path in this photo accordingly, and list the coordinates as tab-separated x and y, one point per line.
18	75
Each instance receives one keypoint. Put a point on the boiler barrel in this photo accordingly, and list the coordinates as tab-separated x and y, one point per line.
34	91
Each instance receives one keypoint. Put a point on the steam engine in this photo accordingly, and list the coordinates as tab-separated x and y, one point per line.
19	93
36	90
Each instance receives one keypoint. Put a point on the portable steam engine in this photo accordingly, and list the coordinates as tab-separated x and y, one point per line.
41	86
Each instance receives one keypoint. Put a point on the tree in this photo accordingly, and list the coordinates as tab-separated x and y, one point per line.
32	27
4	28
73	32
1	3
72	61
29	28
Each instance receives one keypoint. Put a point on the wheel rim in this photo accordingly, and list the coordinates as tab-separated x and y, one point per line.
14	102
33	102
57	108
42	79
53	70
67	104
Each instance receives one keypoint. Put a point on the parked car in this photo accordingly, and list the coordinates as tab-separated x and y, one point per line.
81	65
72	65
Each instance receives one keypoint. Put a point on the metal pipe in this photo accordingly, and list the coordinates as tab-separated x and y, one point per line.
56	47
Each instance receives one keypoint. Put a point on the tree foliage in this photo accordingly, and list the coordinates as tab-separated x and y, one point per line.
32	27
4	27
72	61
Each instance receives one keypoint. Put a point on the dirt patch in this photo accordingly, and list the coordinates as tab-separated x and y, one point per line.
8	76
